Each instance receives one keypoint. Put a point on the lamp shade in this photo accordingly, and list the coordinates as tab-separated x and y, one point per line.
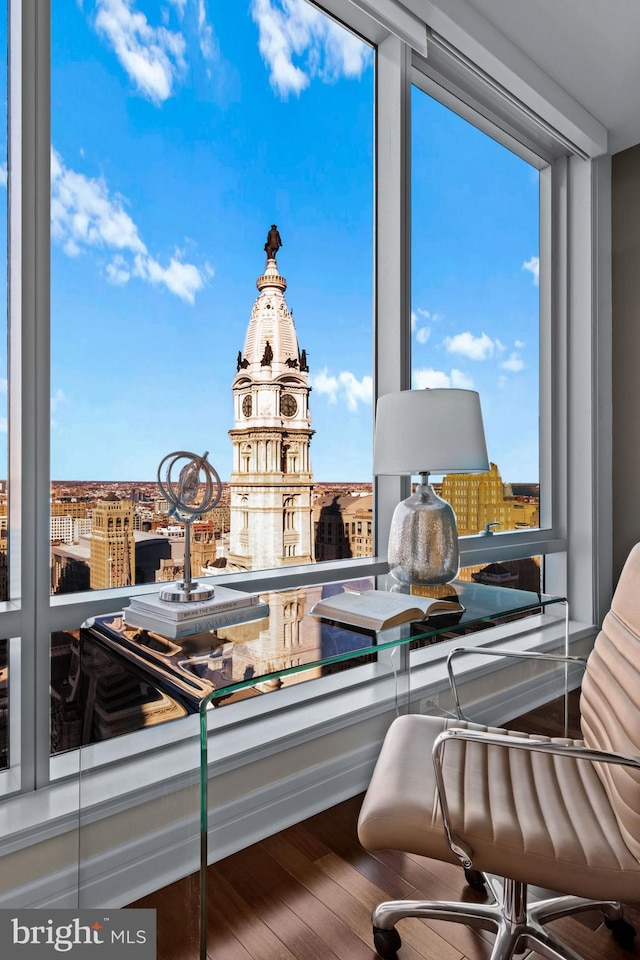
429	431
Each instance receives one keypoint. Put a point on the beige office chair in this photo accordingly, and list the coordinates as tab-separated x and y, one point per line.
560	814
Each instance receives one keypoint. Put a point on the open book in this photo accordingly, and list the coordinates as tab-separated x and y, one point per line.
378	609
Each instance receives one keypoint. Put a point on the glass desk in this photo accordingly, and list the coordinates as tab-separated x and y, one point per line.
336	647
131	678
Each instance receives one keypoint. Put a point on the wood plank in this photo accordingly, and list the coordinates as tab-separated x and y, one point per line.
339	901
263	880
227	908
420	935
221	941
177	921
335	897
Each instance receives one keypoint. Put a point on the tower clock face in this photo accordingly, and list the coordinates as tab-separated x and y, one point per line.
246	406
288	405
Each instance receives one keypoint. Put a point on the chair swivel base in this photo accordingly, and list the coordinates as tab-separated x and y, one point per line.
518	926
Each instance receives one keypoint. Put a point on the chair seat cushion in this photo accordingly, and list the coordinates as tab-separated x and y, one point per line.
533	817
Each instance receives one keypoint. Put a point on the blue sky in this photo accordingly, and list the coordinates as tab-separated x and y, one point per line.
180	131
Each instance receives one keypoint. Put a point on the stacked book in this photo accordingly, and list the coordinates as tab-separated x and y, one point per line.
174	620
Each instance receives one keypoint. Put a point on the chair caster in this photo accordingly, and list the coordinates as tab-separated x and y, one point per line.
623	931
475	879
386	942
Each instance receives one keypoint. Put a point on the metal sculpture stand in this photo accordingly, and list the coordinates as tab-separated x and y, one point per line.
183	507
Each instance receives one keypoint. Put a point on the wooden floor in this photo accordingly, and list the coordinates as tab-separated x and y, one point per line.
307	894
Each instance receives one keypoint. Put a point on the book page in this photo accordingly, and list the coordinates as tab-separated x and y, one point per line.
411	601
376	609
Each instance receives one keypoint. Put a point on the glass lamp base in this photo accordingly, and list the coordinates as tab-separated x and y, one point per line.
423	541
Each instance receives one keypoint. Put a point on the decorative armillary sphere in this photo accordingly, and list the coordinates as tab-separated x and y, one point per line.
186	503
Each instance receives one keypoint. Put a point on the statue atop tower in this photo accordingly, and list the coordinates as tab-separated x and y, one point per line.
274	242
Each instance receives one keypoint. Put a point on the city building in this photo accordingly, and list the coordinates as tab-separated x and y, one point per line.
479	499
69	529
112	544
71	565
70	507
271	482
71	562
343	525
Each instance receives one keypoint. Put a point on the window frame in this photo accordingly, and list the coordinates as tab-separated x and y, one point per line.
575	388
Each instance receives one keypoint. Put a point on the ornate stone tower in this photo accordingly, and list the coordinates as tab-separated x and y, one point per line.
271	482
112	556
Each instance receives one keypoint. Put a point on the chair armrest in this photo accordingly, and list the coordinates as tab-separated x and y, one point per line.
500	652
461	849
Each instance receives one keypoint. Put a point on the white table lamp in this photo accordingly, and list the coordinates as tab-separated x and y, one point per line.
422	432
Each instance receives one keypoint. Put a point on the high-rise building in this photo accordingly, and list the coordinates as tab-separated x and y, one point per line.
343	526
112	544
481	498
271	521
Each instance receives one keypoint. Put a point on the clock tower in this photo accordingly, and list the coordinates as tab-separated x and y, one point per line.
271	481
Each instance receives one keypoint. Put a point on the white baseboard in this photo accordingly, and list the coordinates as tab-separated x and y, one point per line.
123	875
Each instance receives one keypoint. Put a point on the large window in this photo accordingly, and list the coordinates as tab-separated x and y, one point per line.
180	134
475	312
475	258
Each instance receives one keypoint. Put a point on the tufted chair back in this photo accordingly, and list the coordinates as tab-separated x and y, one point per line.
610	700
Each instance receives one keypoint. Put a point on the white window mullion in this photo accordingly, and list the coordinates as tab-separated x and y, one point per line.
586	317
392	340
40	443
553	360
550	380
29	166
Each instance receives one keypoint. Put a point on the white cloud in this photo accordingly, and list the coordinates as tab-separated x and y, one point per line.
428	377
427	315
179	5
291	29
519	344
208	46
4	174
84	215
356	391
183	279
474	348
153	57
327	384
460	380
4	385
514	363
533	266
422	332
345	386
118	270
